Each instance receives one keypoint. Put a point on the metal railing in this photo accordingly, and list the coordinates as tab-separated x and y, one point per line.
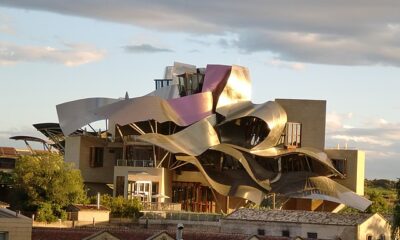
160	206
134	163
183	216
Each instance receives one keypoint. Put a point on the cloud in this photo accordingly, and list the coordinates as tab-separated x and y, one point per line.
334	121
5	25
328	32
71	55
379	138
145	48
364	139
289	65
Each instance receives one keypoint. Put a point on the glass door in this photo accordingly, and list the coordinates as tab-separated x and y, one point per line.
143	189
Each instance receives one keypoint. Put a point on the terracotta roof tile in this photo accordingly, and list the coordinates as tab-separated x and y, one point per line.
295	216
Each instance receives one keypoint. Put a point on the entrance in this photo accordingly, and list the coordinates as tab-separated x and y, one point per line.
141	190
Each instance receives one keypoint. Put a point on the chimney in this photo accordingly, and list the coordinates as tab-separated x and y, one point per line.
98	201
179	231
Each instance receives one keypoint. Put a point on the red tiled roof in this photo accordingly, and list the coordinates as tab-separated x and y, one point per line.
133	234
89	207
8	151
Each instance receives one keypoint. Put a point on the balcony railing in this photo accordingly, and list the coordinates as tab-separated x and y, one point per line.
135	163
159	206
183	216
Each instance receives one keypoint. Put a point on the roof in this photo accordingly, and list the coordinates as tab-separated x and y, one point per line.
28	138
104	235
89	207
294	216
4	205
8	152
134	234
164	233
7	213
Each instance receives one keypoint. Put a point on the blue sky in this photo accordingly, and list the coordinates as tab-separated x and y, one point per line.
345	52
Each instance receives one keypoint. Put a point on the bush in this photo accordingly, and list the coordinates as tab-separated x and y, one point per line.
119	206
45	213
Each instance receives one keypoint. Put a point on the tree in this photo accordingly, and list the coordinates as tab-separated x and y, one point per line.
379	204
396	214
48	183
119	206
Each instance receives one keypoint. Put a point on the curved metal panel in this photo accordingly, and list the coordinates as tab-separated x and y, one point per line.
182	111
193	140
215	75
237	89
311	152
253	169
270	112
234	188
75	114
311	186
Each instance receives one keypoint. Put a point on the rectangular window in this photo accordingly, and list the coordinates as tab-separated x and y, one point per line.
285	233
96	157
3	235
293	134
261	232
7	163
120	185
312	235
340	165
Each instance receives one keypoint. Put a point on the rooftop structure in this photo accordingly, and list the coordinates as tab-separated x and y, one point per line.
307	224
293	216
199	141
14	225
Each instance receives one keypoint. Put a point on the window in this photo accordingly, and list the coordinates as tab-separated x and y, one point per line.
260	232
382	237
120	185
285	233
7	163
369	237
312	235
162	83
3	235
96	157
293	134
340	165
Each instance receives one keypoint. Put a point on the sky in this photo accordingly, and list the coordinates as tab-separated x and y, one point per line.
345	52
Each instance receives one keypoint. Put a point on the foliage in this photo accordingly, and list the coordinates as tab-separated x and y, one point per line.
380	183
119	206
379	204
49	184
45	213
381	192
6	178
396	214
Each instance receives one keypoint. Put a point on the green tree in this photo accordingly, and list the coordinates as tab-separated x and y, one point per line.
379	204
49	184
6	178
396	214
119	206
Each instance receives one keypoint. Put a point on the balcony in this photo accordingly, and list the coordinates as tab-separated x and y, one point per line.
134	163
160	206
182	216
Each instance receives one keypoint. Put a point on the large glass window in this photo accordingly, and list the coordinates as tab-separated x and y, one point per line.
3	235
312	235
293	134
7	163
340	165
96	157
120	185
